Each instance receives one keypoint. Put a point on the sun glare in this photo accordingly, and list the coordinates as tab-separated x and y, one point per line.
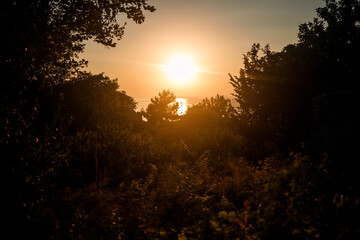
181	69
183	106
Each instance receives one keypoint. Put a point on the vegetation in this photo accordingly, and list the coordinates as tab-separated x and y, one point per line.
78	161
162	108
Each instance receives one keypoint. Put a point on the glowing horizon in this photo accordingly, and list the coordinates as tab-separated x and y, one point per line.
215	35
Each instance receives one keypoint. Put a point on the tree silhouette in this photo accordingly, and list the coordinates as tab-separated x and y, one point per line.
163	108
43	38
272	92
219	105
93	101
210	113
42	43
276	91
39	64
335	38
209	126
304	97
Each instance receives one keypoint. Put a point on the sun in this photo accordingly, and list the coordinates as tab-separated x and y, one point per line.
181	69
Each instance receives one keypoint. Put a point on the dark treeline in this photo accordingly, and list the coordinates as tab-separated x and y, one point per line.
78	161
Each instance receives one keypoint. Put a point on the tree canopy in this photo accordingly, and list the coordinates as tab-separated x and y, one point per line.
163	108
276	91
43	39
51	30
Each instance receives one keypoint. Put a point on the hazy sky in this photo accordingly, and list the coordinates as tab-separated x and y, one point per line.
215	33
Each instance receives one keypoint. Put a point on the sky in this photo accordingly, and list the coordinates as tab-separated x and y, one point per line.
213	33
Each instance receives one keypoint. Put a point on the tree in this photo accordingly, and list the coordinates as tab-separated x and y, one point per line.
276	90
273	93
306	93
42	43
46	35
163	108
335	37
38	56
209	114
92	101
208	126
40	50
218	105
88	102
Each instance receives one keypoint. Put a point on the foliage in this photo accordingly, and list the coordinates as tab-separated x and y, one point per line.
163	108
218	105
37	57
79	163
335	39
274	94
275	90
45	35
209	126
302	201
44	38
93	101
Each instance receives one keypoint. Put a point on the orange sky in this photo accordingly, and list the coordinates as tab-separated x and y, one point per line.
216	33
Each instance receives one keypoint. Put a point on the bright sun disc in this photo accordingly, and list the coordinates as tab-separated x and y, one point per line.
181	68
